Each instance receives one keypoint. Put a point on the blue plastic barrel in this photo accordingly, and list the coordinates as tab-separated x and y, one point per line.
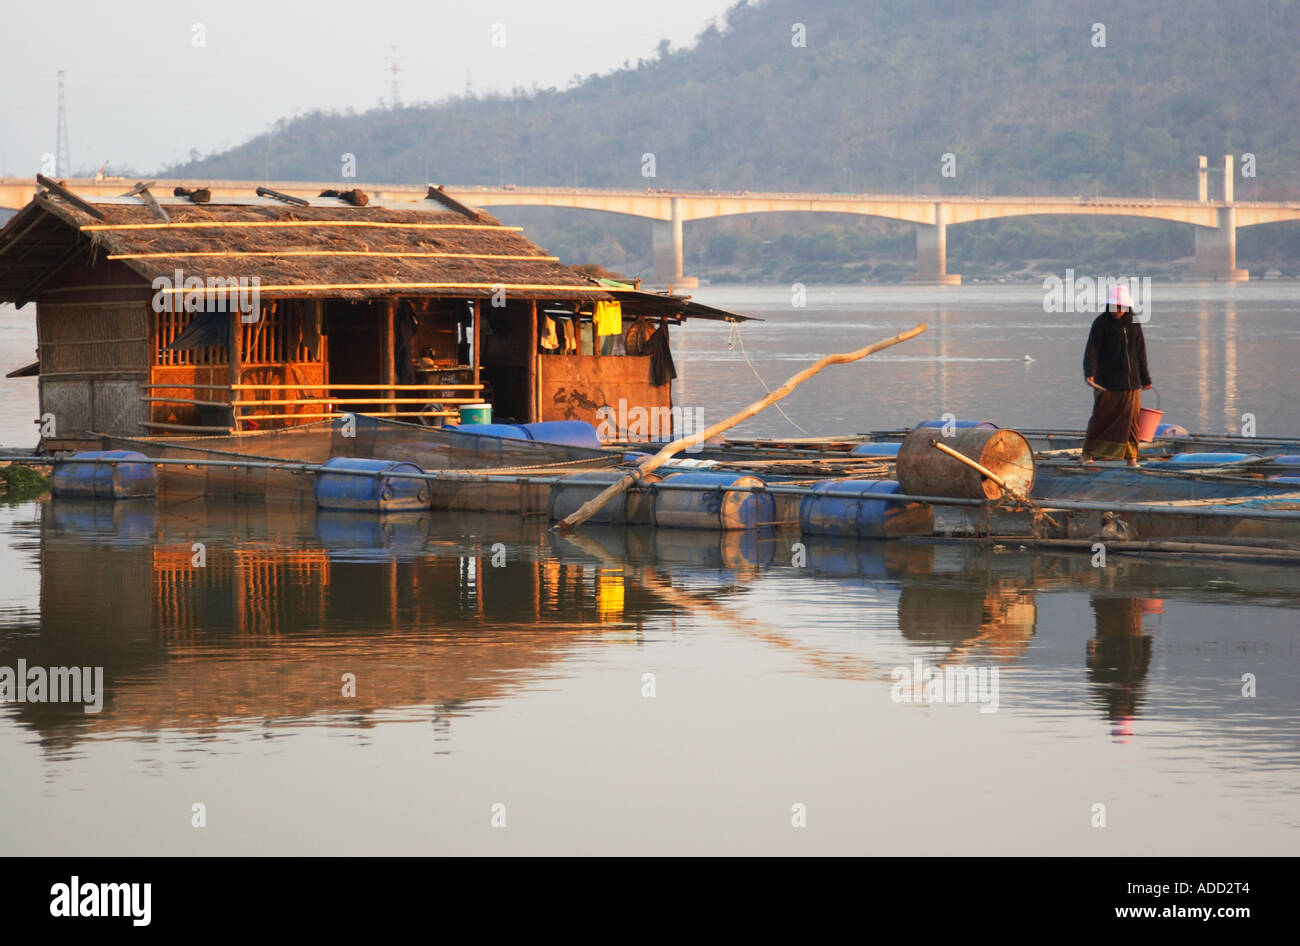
1170	430
352	538
475	414
846	509
876	450
568	433
356	484
960	424
1212	459
506	431
116	480
706	505
570	492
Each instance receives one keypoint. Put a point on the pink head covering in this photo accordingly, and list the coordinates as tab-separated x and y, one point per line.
1119	295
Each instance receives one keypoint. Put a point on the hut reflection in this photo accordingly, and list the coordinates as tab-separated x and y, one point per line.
244	617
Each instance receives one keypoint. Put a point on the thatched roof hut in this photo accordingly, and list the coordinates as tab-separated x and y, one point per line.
163	315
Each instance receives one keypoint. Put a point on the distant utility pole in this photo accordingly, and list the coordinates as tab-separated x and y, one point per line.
394	86
62	151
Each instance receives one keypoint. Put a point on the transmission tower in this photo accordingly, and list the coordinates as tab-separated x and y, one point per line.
62	159
394	67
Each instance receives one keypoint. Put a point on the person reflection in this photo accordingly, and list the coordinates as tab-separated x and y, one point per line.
1118	658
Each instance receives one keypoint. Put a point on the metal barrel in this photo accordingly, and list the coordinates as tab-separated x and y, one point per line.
355	484
120	479
924	470
707	504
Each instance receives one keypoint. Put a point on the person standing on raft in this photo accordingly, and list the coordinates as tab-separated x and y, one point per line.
1115	366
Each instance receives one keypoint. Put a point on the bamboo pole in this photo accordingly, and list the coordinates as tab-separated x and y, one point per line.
590	508
530	375
297	287
388	349
287	402
478	362
226	254
985	471
277	224
236	359
976	466
322	416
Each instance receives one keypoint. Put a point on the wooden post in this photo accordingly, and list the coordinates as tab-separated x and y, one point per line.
534	396
477	361
236	363
388	348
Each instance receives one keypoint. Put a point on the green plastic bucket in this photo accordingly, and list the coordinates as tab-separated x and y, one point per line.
476	413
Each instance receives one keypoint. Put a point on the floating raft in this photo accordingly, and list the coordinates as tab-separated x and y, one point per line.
904	487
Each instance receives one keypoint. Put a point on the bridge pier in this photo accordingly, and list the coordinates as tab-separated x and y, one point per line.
932	251
666	237
1216	249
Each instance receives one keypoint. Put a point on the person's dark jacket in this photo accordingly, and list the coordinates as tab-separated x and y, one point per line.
1116	356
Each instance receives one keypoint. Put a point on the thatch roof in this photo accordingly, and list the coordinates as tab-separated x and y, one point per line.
329	249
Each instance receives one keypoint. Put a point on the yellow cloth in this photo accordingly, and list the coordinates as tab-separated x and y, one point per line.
609	318
549	340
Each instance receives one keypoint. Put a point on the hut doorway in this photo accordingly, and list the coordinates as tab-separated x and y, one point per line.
354	354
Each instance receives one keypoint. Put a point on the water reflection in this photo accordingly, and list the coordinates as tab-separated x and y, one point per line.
215	615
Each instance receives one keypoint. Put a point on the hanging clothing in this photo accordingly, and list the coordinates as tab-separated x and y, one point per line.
570	336
549	340
638	335
403	356
609	318
662	369
205	329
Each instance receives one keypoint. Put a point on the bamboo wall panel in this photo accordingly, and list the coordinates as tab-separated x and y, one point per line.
106	336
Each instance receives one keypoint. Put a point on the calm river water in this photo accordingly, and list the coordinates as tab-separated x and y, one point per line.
639	692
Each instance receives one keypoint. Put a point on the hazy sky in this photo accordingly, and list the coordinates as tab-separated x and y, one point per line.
141	93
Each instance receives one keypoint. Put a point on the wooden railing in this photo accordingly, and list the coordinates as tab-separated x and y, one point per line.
445	395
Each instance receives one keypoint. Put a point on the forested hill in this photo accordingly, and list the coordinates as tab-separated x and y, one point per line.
1021	93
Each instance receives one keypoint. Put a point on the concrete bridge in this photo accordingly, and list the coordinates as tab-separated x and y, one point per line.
1216	221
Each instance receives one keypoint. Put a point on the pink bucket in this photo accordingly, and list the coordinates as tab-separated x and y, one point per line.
1148	420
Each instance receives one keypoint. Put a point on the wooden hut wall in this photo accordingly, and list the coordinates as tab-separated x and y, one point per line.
92	332
574	387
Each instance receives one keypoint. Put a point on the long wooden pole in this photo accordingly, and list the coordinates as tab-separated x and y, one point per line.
478	336
590	508
530	370
236	364
388	364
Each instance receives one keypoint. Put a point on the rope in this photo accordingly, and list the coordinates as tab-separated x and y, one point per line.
733	338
